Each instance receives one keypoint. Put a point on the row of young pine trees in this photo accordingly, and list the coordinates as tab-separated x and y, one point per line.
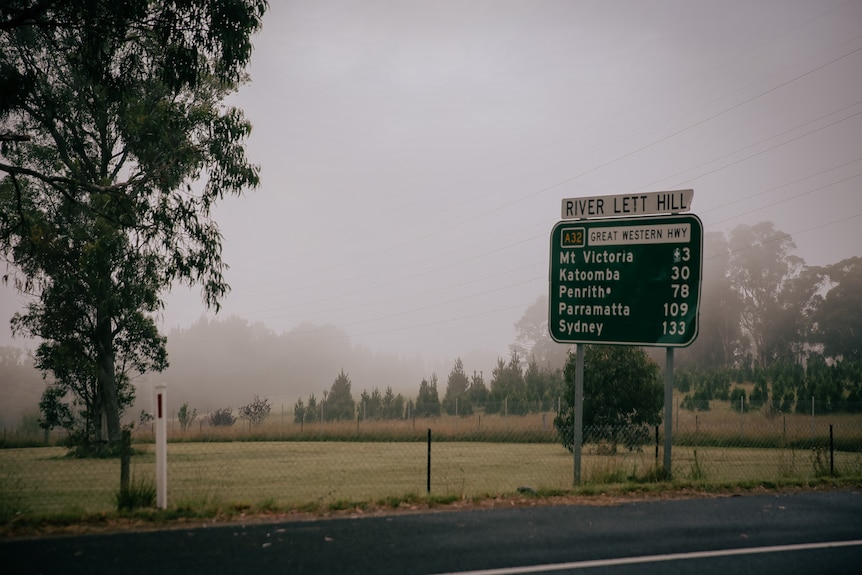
511	390
784	387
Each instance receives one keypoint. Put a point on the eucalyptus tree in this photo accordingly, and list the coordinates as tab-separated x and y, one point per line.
838	314
533	340
116	145
774	287
720	340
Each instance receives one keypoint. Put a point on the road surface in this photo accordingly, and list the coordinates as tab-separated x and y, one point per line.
810	532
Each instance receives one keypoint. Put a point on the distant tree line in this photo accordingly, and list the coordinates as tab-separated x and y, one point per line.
824	384
773	331
513	390
792	332
761	305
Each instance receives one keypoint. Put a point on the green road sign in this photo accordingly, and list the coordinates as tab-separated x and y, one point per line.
633	281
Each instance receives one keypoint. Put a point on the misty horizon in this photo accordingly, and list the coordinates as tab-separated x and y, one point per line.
413	155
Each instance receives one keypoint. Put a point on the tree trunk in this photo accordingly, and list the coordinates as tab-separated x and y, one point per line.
107	381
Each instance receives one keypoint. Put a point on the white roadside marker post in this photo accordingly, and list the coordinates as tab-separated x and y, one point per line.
161	447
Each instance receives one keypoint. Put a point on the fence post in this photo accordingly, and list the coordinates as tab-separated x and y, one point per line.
125	456
429	460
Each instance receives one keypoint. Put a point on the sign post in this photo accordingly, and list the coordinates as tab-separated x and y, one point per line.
578	415
633	279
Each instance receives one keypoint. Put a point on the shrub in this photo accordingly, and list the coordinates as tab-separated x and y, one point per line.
141	493
186	417
256	412
222	417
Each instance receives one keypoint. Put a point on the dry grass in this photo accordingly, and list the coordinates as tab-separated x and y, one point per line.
286	465
207	476
537	427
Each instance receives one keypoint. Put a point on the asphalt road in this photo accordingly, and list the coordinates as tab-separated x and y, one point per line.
794	533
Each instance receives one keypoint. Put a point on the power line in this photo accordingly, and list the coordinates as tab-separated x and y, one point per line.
776	238
647	146
623	156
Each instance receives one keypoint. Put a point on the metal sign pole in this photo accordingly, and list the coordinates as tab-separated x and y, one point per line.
578	415
668	409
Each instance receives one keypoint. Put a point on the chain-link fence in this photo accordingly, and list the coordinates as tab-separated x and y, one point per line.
285	463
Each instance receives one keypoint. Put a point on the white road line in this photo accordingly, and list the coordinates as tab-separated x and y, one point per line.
656	558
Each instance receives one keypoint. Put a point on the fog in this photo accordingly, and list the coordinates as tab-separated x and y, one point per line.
225	362
414	155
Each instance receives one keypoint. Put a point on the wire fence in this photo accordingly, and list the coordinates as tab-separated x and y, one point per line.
311	465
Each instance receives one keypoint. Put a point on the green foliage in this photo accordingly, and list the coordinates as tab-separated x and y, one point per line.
705	385
772	287
392	405
140	493
55	411
508	393
381	407
478	391
838	315
186	417
761	306
98	215
428	400
13	499
737	399
544	385
370	405
80	416
760	394
622	389
299	411
697	402
682	380
303	412
338	403
457	399
223	417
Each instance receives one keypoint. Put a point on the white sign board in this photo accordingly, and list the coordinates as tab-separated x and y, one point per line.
643	204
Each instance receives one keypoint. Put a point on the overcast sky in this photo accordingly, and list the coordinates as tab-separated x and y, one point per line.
414	153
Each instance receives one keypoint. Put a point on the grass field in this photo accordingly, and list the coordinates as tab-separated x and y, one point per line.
282	465
205	477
